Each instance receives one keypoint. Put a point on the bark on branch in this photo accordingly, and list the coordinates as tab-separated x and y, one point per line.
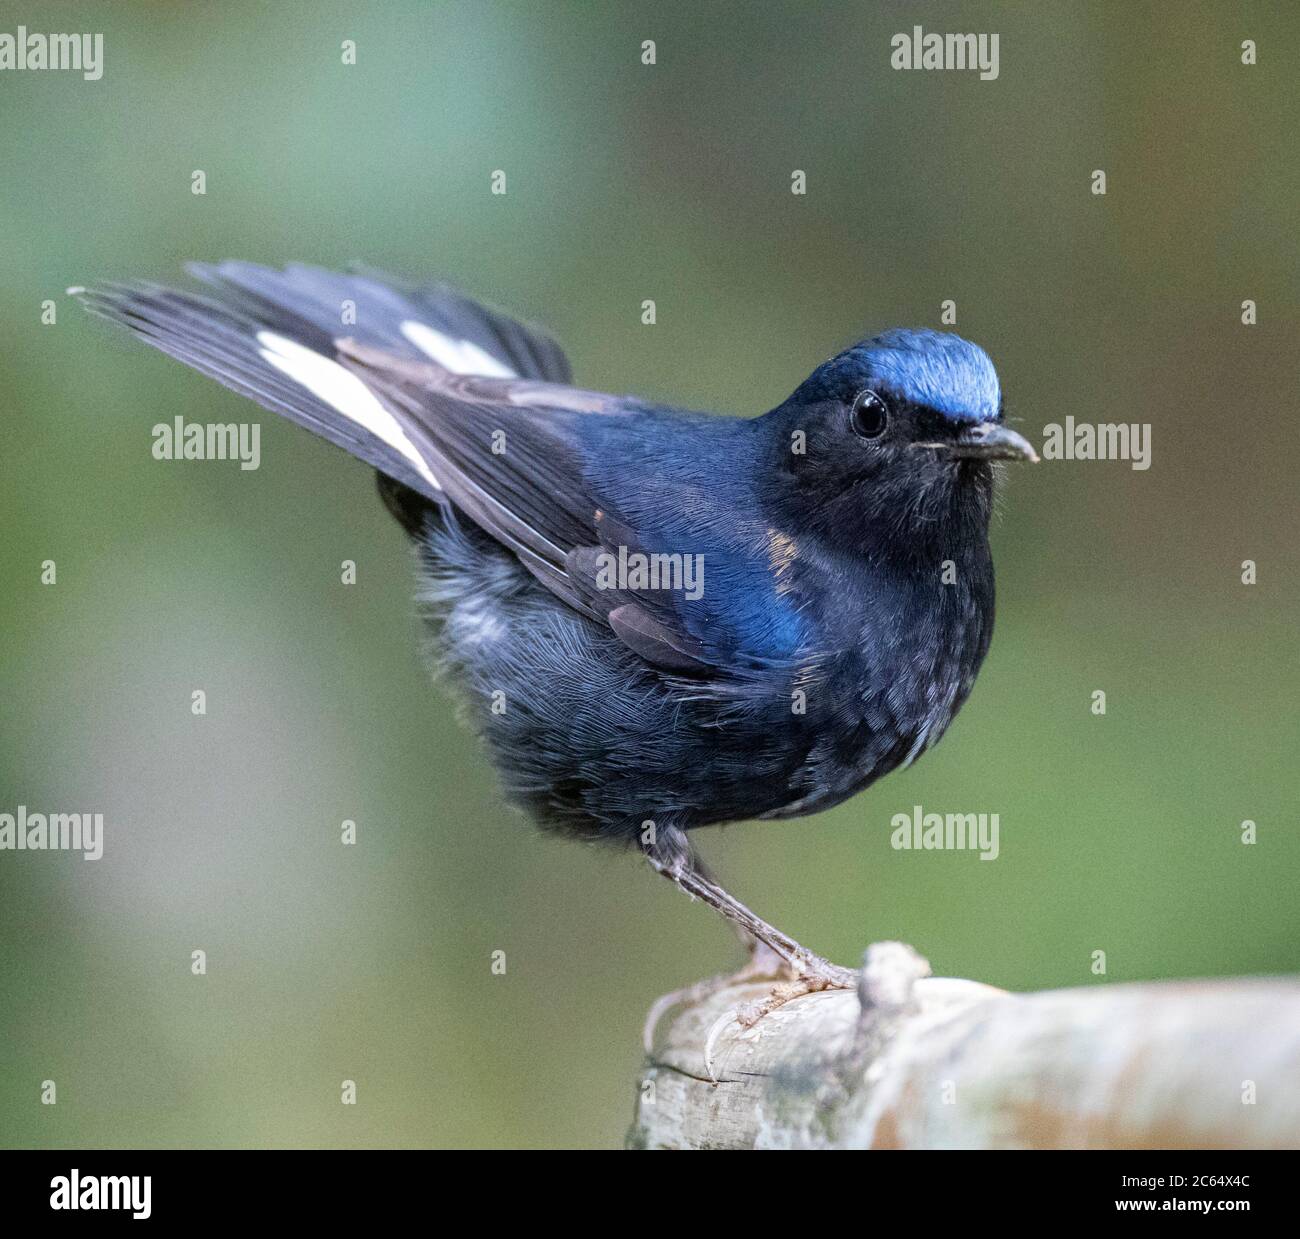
941	1063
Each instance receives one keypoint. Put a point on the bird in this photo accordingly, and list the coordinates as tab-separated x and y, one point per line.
658	619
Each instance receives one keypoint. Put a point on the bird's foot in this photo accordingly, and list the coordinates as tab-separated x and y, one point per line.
812	978
763	965
810	974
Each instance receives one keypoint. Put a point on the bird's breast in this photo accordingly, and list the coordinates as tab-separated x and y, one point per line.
889	695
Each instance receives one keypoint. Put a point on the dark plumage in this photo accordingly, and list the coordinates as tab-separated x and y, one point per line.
846	599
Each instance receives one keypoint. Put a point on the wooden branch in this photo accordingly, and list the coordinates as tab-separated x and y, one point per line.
911	1061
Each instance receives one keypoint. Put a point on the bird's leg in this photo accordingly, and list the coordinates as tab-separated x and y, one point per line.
774	956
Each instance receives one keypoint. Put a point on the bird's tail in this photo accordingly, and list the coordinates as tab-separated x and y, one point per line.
274	336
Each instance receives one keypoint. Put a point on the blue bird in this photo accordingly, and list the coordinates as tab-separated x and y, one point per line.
660	619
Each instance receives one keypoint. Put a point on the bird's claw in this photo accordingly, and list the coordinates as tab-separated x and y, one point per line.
763	966
814	977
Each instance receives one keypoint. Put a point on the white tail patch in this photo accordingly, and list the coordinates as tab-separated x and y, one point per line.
341	390
458	356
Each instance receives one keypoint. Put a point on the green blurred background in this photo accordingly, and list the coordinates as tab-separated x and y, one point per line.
625	182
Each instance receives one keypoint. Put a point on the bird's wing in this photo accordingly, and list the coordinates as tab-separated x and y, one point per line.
510	454
452	400
416	321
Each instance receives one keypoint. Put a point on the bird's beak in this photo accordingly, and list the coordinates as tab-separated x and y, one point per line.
991	441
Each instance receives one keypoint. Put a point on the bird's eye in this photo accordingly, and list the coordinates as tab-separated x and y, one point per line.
870	415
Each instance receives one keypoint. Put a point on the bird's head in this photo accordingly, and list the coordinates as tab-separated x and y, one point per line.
901	430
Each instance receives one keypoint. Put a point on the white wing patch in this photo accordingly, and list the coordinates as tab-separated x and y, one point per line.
341	390
458	356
